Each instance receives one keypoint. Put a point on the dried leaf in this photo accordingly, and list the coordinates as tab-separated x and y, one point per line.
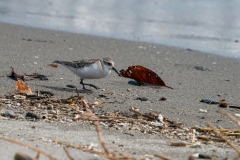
25	77
143	76
15	75
22	88
38	76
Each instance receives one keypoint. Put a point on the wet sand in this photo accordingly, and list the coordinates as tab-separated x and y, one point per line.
31	50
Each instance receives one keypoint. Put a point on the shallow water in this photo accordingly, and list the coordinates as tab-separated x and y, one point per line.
208	26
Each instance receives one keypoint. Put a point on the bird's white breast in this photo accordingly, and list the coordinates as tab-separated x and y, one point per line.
93	71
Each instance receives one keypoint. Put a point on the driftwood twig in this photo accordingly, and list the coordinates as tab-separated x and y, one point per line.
229	116
224	138
28	146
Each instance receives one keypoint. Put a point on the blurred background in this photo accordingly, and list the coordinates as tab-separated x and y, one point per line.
203	25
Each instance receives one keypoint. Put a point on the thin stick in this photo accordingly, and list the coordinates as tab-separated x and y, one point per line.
84	149
122	154
221	130
67	153
229	116
161	156
38	156
28	146
100	138
139	113
210	138
121	118
193	135
224	138
77	92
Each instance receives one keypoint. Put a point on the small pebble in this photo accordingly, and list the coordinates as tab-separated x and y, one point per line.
157	124
237	115
69	120
163	99
19	97
22	156
9	113
71	86
47	92
38	105
160	117
52	112
9	105
50	107
8	102
202	68
64	118
142	98
32	115
203	110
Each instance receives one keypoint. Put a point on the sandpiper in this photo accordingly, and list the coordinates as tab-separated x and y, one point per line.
90	69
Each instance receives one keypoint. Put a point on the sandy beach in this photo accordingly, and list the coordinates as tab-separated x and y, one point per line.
30	50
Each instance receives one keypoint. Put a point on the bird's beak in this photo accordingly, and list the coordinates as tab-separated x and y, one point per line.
115	70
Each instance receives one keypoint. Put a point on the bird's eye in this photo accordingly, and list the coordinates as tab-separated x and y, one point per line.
108	63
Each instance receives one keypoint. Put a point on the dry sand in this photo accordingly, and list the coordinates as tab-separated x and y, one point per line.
190	85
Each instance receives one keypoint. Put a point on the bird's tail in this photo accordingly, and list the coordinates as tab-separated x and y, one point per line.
58	62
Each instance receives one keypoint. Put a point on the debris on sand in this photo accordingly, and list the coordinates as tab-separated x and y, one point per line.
77	109
15	76
22	88
143	76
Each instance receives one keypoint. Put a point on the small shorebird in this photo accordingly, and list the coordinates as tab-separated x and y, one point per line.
90	69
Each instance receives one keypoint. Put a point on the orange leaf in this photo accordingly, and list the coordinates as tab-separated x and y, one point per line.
22	88
143	76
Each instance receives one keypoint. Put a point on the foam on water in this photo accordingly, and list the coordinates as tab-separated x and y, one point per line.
208	26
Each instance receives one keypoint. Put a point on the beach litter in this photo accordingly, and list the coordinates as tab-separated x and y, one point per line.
163	99
35	40
77	109
54	65
202	110
199	156
197	67
15	76
142	98
22	88
143	76
221	103
185	144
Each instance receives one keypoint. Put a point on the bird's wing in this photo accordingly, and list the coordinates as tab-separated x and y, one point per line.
78	64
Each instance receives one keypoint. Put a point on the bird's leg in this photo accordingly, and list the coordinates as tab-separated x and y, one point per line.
91	85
